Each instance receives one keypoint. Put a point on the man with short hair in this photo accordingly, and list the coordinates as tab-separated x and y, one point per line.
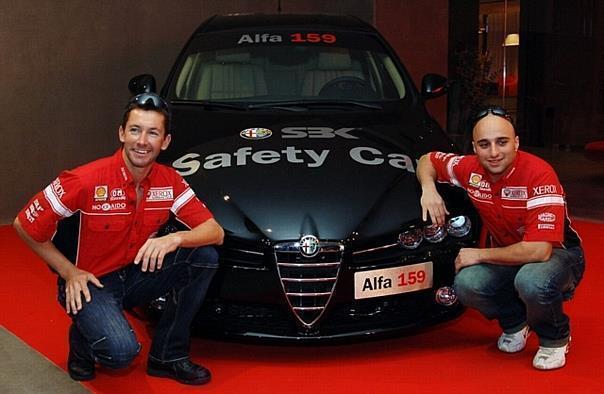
120	260
530	259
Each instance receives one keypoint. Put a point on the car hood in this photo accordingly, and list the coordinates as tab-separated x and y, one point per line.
337	178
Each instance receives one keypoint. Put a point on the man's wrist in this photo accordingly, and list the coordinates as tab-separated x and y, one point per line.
177	238
429	186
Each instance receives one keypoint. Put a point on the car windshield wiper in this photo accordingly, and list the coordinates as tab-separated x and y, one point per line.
289	105
212	104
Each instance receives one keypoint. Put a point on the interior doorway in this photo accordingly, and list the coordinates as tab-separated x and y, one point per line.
498	41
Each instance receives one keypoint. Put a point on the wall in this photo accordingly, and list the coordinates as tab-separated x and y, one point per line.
418	31
561	73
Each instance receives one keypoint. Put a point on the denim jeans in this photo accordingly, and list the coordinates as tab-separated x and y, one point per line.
531	294
100	329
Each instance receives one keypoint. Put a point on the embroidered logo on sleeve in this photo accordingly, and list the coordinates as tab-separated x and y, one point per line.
546	217
31	213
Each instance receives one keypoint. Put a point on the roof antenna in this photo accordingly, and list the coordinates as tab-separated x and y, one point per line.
279	6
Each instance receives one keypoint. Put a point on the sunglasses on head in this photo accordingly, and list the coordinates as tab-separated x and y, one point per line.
497	111
149	100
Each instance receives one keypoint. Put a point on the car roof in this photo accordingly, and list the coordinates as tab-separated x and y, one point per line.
246	21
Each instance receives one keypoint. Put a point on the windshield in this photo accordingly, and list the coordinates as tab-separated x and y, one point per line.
272	67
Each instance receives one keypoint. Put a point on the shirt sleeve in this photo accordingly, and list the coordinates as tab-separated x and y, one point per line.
447	166
546	208
187	207
59	200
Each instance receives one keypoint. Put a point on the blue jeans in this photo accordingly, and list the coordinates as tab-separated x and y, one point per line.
531	294
100	329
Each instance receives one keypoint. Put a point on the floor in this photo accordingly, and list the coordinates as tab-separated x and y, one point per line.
23	370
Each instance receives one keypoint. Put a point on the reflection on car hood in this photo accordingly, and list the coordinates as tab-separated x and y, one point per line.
328	178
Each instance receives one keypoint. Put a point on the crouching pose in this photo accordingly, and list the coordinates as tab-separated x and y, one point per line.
121	261
530	259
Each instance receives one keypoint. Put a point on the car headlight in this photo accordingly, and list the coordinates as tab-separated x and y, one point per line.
459	226
435	233
411	239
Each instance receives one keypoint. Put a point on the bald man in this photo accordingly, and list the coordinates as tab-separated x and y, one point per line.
529	258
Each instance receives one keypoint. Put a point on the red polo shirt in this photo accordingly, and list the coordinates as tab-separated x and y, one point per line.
526	204
112	227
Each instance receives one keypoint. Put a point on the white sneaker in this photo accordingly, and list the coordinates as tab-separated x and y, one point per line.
550	357
512	343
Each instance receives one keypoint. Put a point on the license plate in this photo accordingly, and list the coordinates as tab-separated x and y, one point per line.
396	280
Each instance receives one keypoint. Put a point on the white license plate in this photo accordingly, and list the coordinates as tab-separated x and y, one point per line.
396	280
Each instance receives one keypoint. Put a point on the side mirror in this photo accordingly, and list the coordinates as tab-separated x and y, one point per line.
434	85
144	83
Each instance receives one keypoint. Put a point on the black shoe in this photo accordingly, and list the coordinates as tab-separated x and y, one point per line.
79	366
183	371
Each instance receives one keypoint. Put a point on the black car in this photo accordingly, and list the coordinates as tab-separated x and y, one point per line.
302	133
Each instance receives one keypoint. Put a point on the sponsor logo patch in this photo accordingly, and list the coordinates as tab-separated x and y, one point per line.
109	206
546	217
480	195
545	189
255	133
546	226
118	194
160	194
442	155
514	193
31	213
100	193
475	179
58	188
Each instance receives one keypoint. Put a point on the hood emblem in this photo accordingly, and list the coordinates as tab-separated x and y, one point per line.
309	246
255	133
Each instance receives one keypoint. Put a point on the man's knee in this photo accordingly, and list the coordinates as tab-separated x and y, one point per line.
533	289
466	286
117	351
204	257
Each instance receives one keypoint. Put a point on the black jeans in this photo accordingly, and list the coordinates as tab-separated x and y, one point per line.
101	330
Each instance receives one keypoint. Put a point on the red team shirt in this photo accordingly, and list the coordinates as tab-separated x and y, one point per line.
112	227
526	204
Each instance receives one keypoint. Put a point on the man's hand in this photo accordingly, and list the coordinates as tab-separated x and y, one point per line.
151	255
467	257
76	284
433	204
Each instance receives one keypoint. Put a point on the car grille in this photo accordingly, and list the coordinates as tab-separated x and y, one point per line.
308	283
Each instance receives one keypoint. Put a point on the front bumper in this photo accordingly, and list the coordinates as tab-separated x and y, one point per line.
249	303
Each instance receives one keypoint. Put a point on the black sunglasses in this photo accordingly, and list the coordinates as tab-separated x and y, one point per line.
497	111
149	100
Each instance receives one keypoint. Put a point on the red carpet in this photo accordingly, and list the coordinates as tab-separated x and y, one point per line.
458	356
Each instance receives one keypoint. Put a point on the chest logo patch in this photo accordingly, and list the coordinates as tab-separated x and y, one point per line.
514	193
475	179
160	194
100	193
